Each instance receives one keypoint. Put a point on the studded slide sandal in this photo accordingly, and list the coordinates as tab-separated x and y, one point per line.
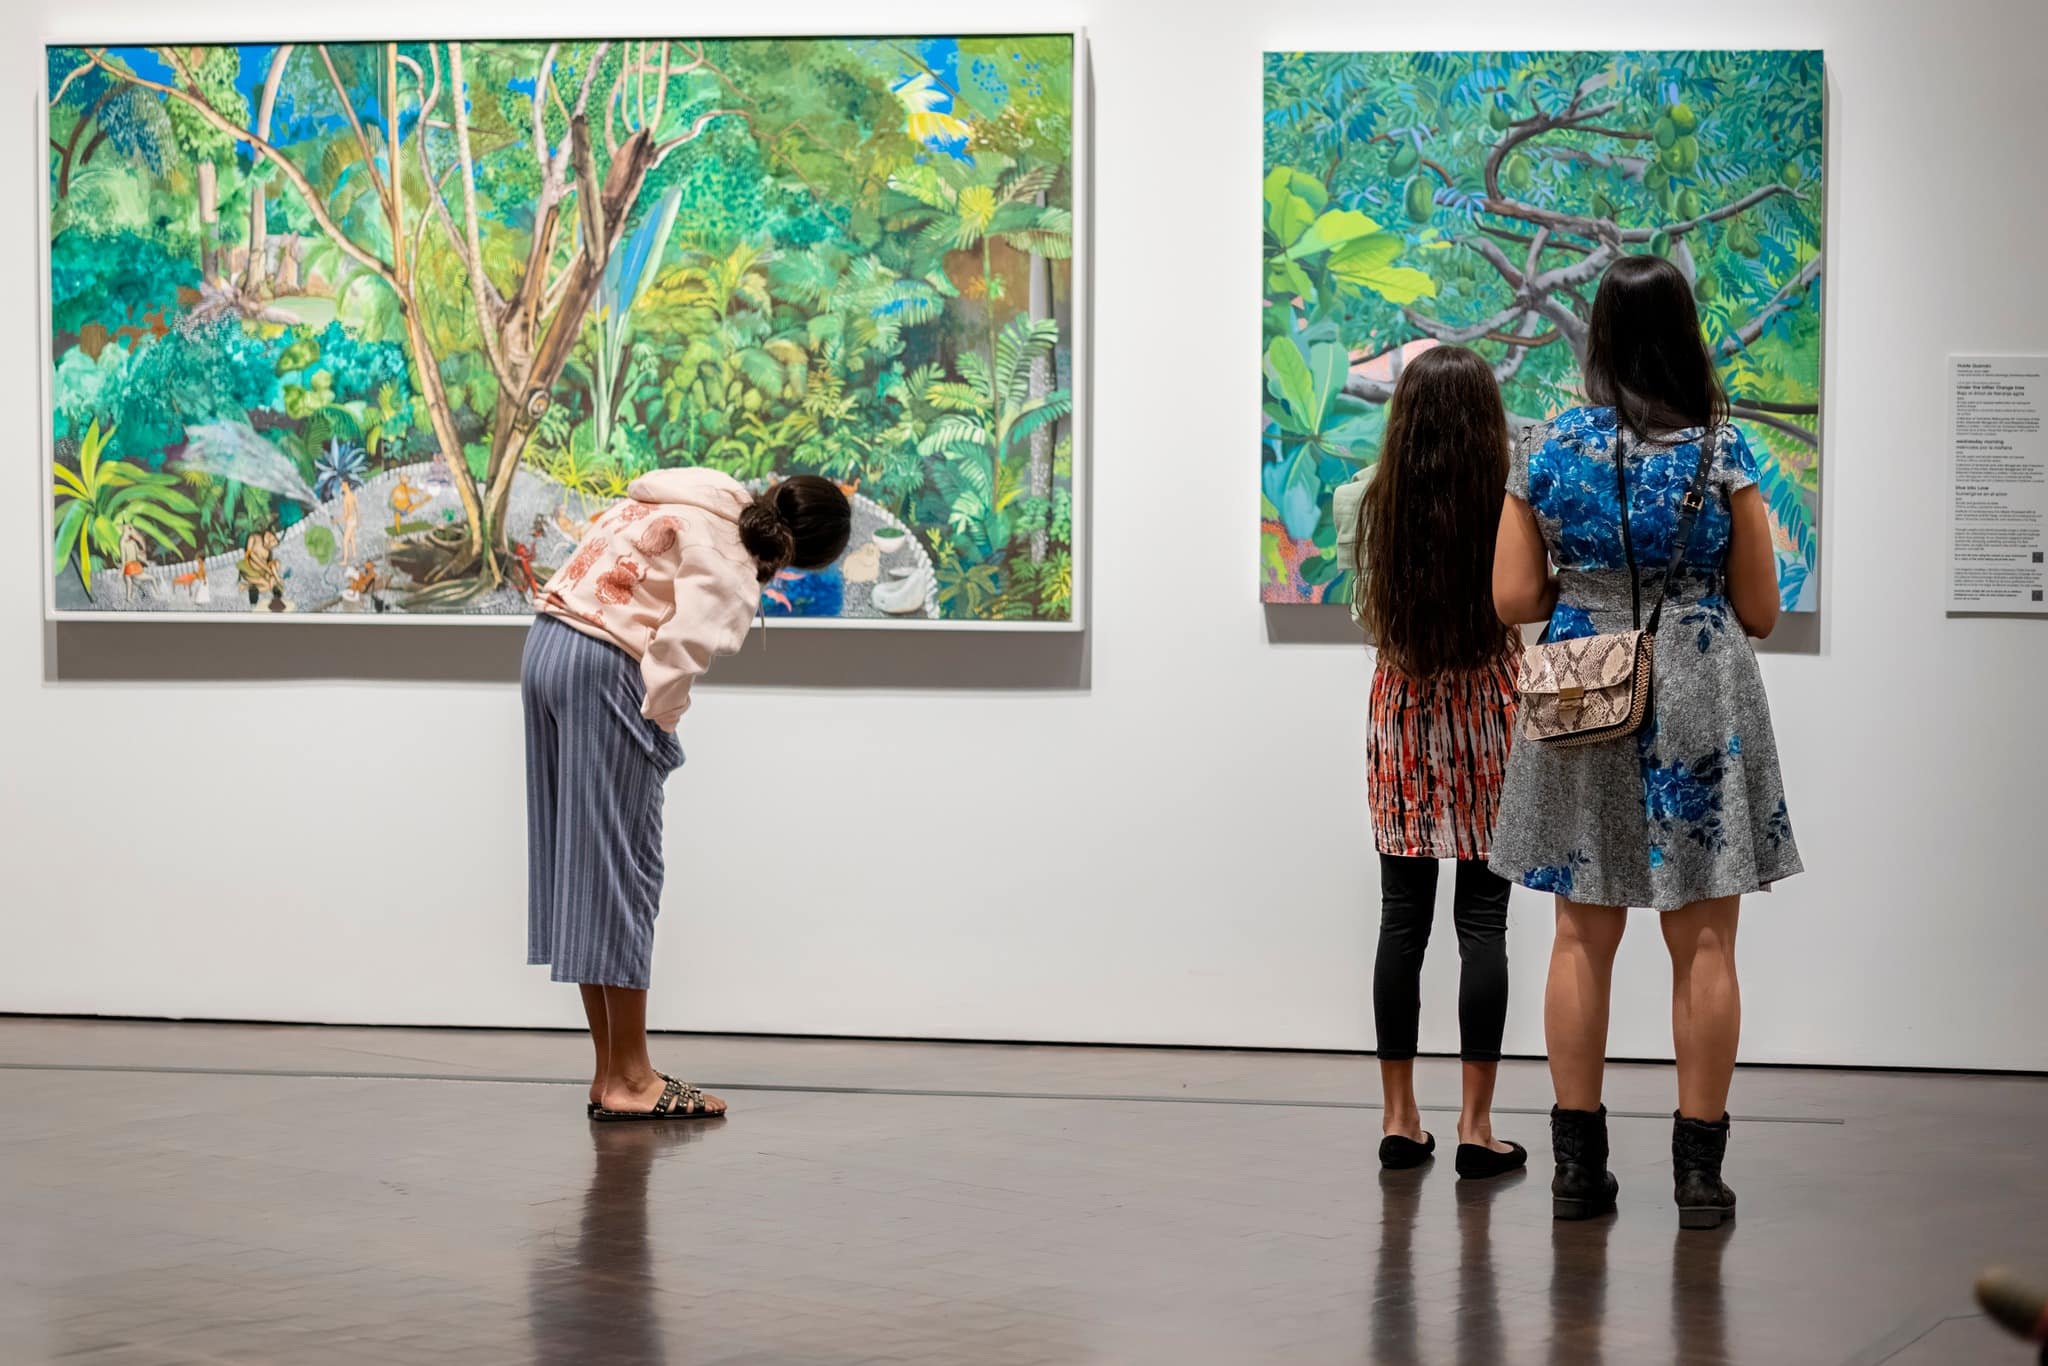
678	1100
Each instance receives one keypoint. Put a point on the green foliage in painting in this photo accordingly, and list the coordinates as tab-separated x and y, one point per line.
768	256
102	503
1416	199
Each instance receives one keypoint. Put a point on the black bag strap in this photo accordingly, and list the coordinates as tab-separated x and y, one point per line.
1628	545
1688	513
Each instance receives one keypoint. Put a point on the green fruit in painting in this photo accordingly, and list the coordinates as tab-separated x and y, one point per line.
320	544
1498	118
1689	204
1660	243
1687	149
1667	199
1521	175
1682	118
1603	207
1403	160
1420	200
1656	177
1664	133
1743	240
1704	289
1793	175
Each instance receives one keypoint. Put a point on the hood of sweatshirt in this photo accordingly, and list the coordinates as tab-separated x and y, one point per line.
705	490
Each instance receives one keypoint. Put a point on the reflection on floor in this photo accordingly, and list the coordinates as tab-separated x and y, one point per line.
208	1193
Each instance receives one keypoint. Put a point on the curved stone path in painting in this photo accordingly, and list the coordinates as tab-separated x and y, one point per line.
539	507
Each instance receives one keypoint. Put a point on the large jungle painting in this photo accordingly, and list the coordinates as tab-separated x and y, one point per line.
1413	199
375	329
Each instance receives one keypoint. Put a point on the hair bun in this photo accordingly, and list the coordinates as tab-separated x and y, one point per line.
766	536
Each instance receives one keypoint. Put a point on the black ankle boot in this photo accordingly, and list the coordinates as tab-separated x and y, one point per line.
1697	1147
1583	1187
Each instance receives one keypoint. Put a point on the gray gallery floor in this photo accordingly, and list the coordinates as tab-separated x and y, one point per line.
212	1193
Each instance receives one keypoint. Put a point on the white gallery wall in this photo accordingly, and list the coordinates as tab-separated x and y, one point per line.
1153	834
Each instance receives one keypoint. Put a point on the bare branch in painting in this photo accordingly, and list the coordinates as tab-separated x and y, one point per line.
1525	341
589	199
1726	211
1569	323
541	157
1577	275
1535	126
1460	336
1765	405
437	201
263	148
697	128
257	276
660	91
348	109
582	108
57	96
1763	418
1370	390
1496	258
1522	239
490	304
1778	303
392	138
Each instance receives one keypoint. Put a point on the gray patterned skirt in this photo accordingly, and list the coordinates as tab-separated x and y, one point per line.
1690	809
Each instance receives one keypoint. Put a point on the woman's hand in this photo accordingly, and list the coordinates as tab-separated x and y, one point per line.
1524	589
1752	564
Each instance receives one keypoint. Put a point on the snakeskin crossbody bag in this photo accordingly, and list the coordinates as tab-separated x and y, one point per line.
1596	688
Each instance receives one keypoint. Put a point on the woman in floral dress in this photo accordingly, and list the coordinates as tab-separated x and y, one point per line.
1688	816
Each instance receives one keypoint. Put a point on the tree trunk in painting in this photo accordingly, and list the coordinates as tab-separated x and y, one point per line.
209	218
441	416
608	207
257	281
1042	440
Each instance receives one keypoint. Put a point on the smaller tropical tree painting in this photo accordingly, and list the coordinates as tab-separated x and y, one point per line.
364	328
1413	199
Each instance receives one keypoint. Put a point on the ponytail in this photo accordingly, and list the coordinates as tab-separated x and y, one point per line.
766	535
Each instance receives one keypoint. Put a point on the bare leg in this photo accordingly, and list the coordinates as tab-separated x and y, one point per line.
1575	999
1475	1119
1397	1090
1706	1003
600	1036
631	1083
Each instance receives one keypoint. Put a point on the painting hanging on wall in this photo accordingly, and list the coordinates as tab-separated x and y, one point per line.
371	331
1413	199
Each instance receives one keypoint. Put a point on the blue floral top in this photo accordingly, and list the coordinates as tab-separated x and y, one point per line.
1568	481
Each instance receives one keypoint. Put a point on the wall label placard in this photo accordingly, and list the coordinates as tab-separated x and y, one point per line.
1998	484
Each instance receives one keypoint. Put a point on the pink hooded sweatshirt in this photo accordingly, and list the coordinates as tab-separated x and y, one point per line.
663	576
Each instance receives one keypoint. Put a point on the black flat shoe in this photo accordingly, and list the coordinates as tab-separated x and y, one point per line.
1397	1153
1477	1162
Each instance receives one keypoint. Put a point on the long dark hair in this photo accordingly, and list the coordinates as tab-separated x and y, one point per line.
1427	522
801	523
1645	354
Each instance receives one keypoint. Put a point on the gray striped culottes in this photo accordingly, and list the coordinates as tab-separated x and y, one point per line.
594	774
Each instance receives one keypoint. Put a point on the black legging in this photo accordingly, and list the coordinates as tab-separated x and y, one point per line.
1479	908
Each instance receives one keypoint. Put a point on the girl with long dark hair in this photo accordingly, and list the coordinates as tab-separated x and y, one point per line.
663	581
1437	740
1687	815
